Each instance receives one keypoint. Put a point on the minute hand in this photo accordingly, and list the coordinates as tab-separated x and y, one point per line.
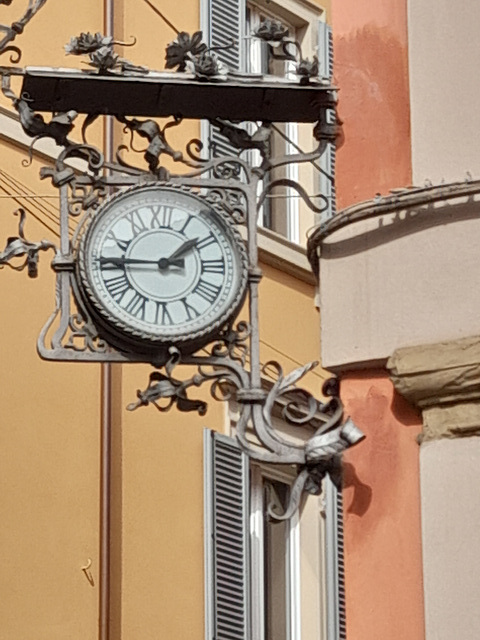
122	261
183	248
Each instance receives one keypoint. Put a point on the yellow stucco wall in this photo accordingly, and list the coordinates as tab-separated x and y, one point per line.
51	417
49	436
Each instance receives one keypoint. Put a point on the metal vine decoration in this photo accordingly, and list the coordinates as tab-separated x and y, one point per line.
20	247
276	35
229	380
16	28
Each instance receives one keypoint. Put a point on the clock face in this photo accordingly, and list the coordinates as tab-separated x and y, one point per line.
161	266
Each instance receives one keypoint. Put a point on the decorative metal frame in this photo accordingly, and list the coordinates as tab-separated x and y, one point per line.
231	184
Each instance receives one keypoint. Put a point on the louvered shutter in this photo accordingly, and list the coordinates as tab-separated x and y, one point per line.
327	161
225	21
325	50
335	559
226	539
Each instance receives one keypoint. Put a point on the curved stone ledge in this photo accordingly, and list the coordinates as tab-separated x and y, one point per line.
397	271
443	380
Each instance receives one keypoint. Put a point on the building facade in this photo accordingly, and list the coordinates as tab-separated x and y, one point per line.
107	515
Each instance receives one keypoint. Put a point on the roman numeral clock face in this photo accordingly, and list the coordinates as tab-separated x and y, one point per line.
158	266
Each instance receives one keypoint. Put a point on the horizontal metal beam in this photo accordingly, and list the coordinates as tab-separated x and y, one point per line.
175	94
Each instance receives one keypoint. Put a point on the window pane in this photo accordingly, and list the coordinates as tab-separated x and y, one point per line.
275	555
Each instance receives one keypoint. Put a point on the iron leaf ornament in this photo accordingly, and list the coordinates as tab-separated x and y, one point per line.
273	32
99	49
87	43
20	247
190	53
282	47
184	48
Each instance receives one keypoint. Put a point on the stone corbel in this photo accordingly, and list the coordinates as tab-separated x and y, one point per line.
443	381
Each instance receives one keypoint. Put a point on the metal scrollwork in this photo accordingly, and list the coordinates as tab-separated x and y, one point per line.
229	380
35	126
85	197
233	202
233	344
158	145
285	182
20	247
84	336
165	387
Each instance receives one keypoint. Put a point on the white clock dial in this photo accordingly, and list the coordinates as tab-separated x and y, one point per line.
161	265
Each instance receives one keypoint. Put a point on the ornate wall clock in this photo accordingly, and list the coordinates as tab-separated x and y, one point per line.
158	266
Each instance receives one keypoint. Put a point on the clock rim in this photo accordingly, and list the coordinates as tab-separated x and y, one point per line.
121	334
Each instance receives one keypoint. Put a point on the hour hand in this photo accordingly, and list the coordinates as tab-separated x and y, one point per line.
183	248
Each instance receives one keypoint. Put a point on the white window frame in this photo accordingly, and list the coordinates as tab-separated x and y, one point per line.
254	65
306	18
258	474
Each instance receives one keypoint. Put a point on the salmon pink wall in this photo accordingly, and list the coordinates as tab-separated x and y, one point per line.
371	70
383	560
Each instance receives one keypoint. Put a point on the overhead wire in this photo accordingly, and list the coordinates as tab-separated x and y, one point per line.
39	206
160	14
49	223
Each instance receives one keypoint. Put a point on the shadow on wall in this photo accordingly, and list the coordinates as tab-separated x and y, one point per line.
362	493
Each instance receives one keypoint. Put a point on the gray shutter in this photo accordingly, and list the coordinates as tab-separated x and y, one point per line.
335	559
224	20
325	50
327	180
226	539
227	22
327	161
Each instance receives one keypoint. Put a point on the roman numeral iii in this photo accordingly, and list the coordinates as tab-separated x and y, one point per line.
213	266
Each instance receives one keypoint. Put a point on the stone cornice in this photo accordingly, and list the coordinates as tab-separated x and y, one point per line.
443	380
397	200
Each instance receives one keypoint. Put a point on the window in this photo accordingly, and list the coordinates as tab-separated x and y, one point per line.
267	579
223	20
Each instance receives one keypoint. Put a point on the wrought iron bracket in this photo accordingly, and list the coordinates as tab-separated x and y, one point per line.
202	88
